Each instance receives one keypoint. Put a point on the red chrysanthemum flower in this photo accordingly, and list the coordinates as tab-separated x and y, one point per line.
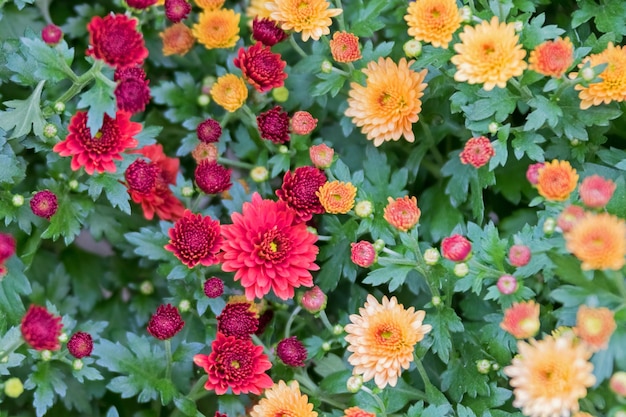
456	248
477	152
213	287
7	246
211	177
363	253
303	123
51	34
115	40
236	364
267	31
166	322
238	320
268	250
80	345
44	204
148	184
96	153
141	4
264	320
261	68
596	191
195	239
274	125
298	191
41	329
132	92
291	351
177	10
209	131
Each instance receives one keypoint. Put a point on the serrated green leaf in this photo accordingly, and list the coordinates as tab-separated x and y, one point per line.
24	115
176	96
608	16
526	143
68	219
444	321
100	99
115	191
462	377
149	243
331	83
52	63
187	407
48	382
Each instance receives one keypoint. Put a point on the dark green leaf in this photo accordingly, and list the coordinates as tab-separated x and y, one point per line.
444	322
24	115
100	99
115	191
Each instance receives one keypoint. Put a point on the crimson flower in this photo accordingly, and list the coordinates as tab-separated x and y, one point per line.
298	191
238	320
132	92
211	177
291	351
166	322
195	239
237	364
44	204
96	153
41	329
80	345
267	31
261	67
115	40
268	249
274	125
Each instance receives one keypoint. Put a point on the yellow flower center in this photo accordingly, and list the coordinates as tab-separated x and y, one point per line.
98	135
593	325
273	246
235	364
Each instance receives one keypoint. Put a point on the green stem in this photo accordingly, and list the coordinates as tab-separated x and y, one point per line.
292	317
565	84
473	263
523	90
309	387
233	163
81	82
197	388
6	351
340	21
168	358
434	169
248	112
44	8
325	320
294	44
397	261
618	279
392	252
381	405
324	238
422	371
341	72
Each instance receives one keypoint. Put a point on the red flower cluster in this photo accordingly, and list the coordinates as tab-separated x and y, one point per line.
96	153
274	125
298	191
132	92
267	31
195	239
268	249
237	364
41	329
115	40
261	67
148	184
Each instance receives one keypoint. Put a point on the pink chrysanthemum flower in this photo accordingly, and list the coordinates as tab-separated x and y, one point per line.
177	10
238	320
298	191
532	172
268	250
456	248
51	34
362	253
267	31
519	255
596	191
44	204
261	68
97	153
195	239
211	177
477	152
237	364
521	319
274	125
303	123
115	40
7	247
80	345
41	329
569	217
321	155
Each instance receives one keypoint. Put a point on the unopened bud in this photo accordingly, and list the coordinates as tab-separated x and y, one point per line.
493	128
313	300
13	387
483	366
146	288
59	107
574	142
617	383
379	245
203	100
187	191
63	337
337	329
507	284
588	74
77	364
519	26
259	174
461	269
208	81
495	366
327	66
283	149
431	256
73	184
549	225
326	346
364	208
466	14
46	355
280	94
50	131
17	200
436	301
184	306
354	383
412	48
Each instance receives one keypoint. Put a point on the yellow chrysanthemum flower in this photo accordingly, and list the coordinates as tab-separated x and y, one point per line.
284	400
599	241
388	105
382	339
489	54
310	18
257	9
230	92
433	21
217	28
613	84
550	376
337	197
210	4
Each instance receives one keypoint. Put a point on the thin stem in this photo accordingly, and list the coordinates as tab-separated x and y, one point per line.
566	83
168	358
338	71
618	279
422	371
340	22
81	82
259	342
473	263
324	238
233	163
392	252
10	349
325	320
292	317
397	261
309	387
295	46
248	112
523	90
381	405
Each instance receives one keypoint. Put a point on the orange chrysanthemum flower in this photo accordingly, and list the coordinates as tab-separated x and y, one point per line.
284	400
344	47
311	18
550	376
217	28
177	39
337	197
594	326
556	180
433	21
357	412
388	105
402	213
489	54
613	84
521	319
210	4
230	92
257	9
599	241
552	58
382	339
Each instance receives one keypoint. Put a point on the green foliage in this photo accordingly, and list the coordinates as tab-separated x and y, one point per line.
23	116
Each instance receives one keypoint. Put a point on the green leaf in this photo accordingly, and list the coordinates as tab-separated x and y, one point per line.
67	221
498	103
526	143
369	53
335	383
461	377
176	95
334	256
391	273
115	191
608	16
149	243
13	167
444	322
24	115
51	63
328	365
544	110
100	99
331	83
187	407
12	287
48	382
535	33
11	339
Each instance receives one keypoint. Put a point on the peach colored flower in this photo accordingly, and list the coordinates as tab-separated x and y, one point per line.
337	197
521	319
594	326
489	54
210	4
556	180
284	400
599	241
257	8
613	84
402	213
550	376
388	105
344	47
596	191
569	216
217	28
230	92
433	21
310	18
357	412
177	39
382	339
552	58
